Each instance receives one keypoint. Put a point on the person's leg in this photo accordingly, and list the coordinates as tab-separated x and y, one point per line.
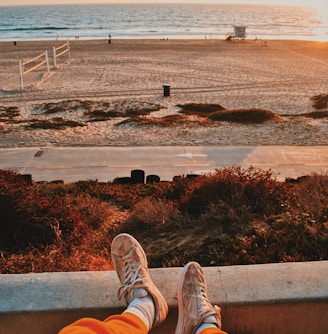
196	314
146	308
116	324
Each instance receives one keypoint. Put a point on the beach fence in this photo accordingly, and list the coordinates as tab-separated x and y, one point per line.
36	62
61	50
32	64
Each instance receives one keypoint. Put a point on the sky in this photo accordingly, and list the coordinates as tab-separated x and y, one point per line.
316	3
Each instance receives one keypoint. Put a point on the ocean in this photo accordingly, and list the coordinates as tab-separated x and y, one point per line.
191	21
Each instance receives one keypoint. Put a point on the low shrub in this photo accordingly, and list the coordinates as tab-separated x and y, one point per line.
248	191
231	216
56	123
9	112
150	213
200	109
166	121
249	115
28	219
320	101
317	114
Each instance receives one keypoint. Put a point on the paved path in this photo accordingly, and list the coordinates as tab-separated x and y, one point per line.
106	163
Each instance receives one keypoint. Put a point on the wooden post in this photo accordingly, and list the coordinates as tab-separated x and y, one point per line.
47	60
69	49
54	53
21	74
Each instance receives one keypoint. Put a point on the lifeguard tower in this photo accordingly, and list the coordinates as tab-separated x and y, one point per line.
239	34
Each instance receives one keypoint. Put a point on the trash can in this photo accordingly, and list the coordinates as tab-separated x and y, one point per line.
166	90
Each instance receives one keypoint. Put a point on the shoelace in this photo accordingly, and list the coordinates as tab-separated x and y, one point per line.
206	308
132	279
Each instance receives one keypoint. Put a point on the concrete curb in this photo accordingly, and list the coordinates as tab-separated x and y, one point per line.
268	298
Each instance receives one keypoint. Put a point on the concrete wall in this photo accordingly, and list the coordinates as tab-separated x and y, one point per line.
269	298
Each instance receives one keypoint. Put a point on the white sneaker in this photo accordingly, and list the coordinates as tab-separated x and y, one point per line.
130	263
194	306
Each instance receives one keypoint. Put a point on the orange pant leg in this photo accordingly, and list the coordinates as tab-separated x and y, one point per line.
125	323
212	330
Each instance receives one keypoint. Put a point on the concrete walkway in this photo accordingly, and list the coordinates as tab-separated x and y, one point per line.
72	164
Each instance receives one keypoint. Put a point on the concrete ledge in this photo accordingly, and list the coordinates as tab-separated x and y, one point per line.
269	298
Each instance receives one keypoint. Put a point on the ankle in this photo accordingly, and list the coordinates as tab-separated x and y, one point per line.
143	308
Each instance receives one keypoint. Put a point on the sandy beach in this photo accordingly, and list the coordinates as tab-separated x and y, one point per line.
280	76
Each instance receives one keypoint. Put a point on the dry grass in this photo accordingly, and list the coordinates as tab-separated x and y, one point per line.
98	109
233	216
166	121
203	114
73	113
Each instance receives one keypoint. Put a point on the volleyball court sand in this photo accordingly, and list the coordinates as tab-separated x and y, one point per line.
281	77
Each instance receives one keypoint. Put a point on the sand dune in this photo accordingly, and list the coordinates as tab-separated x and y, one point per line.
280	77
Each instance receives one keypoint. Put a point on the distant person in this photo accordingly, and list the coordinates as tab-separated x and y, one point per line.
109	38
147	307
15	43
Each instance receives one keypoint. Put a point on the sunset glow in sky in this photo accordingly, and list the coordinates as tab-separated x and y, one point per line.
315	3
